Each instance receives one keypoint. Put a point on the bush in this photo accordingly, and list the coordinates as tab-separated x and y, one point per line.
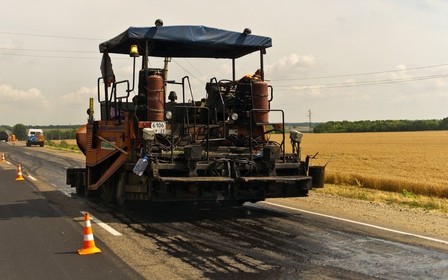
63	144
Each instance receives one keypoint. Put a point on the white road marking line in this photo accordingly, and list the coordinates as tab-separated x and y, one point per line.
66	193
62	190
360	223
103	225
31	177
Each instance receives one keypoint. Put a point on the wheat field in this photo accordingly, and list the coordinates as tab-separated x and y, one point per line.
392	161
414	162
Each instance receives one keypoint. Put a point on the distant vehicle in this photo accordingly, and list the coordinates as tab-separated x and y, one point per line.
35	137
3	136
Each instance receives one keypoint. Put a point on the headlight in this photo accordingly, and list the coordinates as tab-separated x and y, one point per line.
168	115
295	136
149	133
234	116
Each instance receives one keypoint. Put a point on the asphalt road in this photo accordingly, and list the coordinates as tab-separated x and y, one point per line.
39	241
256	241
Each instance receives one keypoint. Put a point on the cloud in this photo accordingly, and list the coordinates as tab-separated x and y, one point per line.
20	106
82	95
31	106
9	94
71	107
293	63
286	72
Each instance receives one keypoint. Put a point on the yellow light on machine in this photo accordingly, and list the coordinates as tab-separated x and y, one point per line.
134	51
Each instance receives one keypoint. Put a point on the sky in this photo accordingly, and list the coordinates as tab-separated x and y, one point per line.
336	59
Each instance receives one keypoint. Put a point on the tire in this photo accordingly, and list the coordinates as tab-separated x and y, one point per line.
231	203
80	190
121	202
28	144
108	191
107	194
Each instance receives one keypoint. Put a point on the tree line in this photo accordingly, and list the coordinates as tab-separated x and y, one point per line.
51	132
62	132
381	126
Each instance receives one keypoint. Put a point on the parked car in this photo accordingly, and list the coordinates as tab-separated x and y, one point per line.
4	136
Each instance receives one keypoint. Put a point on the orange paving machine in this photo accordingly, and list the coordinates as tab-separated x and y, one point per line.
155	144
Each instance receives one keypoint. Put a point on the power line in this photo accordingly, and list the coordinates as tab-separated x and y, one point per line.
191	64
50	56
309	120
364	83
301	87
186	70
51	36
361	74
43	50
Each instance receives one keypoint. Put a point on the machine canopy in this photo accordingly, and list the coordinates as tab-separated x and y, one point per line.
186	41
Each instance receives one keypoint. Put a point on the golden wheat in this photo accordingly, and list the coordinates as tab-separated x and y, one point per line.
392	161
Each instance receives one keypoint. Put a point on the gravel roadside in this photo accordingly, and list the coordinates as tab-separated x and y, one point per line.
432	224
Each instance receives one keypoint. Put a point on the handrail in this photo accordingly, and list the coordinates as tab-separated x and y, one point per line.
207	135
252	113
272	96
113	96
222	104
183	87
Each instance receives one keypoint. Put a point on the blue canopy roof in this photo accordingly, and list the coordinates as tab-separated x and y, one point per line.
186	41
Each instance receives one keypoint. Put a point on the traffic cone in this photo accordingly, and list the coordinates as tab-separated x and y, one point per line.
3	157
88	246
19	176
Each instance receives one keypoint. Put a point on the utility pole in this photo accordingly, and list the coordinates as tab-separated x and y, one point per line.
309	121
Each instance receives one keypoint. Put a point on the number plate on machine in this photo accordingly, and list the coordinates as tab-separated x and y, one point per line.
159	127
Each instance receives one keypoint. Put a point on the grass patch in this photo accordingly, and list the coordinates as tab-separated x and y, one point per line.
406	187
63	145
405	198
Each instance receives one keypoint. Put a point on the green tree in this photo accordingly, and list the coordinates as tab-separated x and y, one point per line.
444	123
20	131
381	126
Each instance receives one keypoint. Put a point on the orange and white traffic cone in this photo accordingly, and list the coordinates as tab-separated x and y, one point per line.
88	246
19	176
3	157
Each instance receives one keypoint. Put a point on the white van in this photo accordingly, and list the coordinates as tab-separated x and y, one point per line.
35	137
